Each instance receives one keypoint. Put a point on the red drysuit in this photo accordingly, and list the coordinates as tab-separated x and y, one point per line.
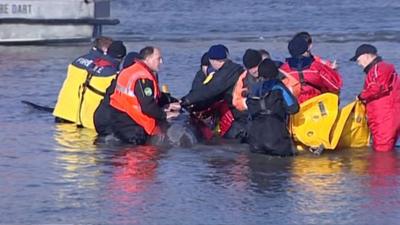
381	94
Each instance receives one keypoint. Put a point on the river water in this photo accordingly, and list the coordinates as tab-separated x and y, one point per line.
55	174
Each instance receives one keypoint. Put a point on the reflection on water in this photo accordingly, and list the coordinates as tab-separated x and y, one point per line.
134	167
76	149
96	176
323	185
76	163
144	184
132	176
383	182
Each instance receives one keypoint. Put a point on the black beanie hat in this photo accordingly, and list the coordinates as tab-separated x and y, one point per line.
297	46
204	60
130	59
251	58
268	70
117	50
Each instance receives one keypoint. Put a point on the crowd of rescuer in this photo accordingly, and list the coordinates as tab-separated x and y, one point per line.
381	95
137	111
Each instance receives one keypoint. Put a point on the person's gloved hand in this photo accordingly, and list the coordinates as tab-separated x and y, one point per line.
173	107
172	114
184	102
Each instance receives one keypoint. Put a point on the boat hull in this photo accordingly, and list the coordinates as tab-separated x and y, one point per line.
34	21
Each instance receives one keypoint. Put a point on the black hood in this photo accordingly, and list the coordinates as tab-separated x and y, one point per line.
300	63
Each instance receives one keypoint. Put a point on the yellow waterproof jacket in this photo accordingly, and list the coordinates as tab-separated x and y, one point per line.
83	89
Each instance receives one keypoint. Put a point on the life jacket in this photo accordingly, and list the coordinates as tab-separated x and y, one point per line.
125	100
291	83
87	79
225	117
271	97
215	120
238	97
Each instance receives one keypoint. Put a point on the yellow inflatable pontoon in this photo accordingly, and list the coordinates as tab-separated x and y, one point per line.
320	124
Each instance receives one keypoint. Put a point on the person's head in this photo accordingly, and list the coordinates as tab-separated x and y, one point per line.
217	55
129	59
364	55
251	60
102	44
204	63
117	50
268	70
264	54
306	36
298	47
151	56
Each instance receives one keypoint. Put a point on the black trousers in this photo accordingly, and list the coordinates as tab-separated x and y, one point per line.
237	131
102	119
270	135
126	129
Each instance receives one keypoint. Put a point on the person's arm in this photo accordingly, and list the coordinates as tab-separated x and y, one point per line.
291	104
219	84
205	92
331	80
198	79
144	90
377	83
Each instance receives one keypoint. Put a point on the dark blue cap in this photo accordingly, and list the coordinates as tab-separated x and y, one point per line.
297	46
364	49
218	52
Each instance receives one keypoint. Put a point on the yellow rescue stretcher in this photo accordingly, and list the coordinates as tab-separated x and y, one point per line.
320	124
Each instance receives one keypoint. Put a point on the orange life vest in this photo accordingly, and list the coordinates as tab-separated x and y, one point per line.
238	100
291	83
125	100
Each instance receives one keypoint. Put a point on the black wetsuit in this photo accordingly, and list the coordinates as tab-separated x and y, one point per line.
269	106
